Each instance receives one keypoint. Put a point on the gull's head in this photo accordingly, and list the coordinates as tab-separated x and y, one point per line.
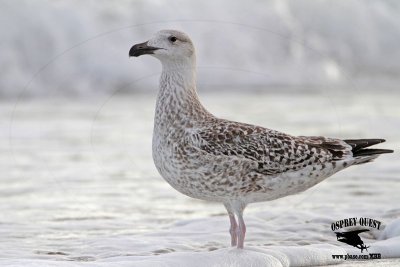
167	46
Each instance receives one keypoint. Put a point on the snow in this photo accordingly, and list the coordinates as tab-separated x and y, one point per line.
309	255
81	190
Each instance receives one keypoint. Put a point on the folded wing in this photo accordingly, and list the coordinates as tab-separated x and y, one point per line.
274	152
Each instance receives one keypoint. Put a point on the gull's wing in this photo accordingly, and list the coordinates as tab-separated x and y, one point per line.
274	152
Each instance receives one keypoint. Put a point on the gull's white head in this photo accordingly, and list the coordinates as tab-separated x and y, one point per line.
167	46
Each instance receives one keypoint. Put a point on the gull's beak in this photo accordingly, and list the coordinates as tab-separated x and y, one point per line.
141	49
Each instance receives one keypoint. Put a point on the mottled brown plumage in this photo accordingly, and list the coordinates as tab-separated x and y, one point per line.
235	163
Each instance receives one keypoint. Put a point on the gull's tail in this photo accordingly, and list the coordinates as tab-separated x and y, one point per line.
361	153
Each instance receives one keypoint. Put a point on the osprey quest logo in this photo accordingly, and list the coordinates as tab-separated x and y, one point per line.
351	238
348	231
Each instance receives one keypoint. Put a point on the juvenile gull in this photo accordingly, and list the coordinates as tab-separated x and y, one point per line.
213	159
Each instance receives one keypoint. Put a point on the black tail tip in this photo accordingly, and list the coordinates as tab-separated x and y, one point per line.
369	152
359	147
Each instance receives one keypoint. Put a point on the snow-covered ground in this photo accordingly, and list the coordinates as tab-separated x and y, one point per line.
78	186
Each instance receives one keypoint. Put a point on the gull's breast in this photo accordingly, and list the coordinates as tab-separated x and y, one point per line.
196	173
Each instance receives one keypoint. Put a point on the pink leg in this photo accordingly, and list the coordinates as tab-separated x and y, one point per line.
238	232
241	231
233	230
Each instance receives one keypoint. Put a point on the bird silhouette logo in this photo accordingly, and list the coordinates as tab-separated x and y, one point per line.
351	238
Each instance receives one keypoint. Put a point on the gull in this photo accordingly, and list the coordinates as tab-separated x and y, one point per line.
234	163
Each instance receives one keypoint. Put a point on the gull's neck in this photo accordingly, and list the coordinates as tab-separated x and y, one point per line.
177	98
179	75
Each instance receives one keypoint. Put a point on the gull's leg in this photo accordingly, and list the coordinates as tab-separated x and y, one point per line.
233	230
242	231
239	207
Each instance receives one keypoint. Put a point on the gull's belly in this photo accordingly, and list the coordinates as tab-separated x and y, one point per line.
197	174
218	178
171	163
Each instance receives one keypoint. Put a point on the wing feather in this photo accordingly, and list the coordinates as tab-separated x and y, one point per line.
273	151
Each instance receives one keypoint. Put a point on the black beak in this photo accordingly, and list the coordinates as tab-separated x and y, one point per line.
141	49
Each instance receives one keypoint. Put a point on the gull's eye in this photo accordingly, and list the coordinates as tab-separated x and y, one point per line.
173	39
